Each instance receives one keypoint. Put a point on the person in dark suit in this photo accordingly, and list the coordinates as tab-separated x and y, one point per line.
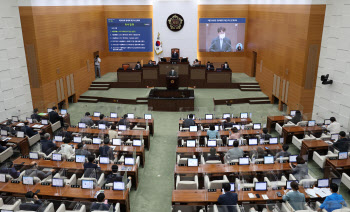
150	63
265	134
210	66
100	205
137	66
124	121
27	130
54	117
105	150
35	115
213	155
196	62
228	123
11	170
297	118
172	73
342	144
65	134
87	120
115	176
188	122
2	148
221	43
29	205
228	198
175	55
47	146
90	166
81	151
283	153
226	66
102	121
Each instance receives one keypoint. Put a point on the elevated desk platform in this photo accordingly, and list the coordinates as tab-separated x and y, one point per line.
171	100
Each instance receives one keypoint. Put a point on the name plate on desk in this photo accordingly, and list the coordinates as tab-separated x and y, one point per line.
75	186
211	190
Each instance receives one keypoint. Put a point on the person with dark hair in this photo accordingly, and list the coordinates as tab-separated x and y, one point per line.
105	150
35	115
235	152
300	171
221	43
102	121
175	55
258	153
124	121
90	166
29	204
294	197
115	176
212	155
210	66
11	170
137	66
226	66
28	131
100	205
2	148
334	127
97	62
297	118
234	133
342	144
188	122
228	198
81	151
212	133
265	134
53	115
47	146
87	120
228	123
150	63
66	134
66	148
283	153
333	201
112	133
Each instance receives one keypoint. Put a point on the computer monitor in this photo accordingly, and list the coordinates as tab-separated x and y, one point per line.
191	143
193	128
217	127
136	142
230	142
77	139
129	161
96	140
260	186
44	121
49	110
232	186
188	116
243	161
289	182
80	158
343	155
3	132
237	126
15	118
57	182
20	134
269	160
208	116
191	162
118	186
117	141
226	115
27	180
30	120
104	160
56	157
244	115
334	136
87	184
273	140
293	158
2	178
97	114
323	183
63	111
3	210
101	126
211	143
311	123
253	141
257	126
81	125
114	115
292	112
327	122
131	116
33	155
148	116
122	127
58	138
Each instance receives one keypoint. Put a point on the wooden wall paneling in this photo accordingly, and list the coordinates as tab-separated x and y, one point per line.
274	84
278	81
62	89
286	95
68	85
283	89
72	84
58	87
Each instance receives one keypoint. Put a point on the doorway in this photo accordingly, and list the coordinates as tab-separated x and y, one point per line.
255	55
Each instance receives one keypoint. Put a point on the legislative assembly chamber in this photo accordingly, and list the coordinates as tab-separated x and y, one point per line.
175	105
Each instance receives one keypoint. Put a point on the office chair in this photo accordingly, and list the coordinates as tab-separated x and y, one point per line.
186	184
215	184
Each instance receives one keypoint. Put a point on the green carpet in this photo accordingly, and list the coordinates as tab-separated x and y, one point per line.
156	179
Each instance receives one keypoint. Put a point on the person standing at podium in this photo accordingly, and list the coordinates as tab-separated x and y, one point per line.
172	73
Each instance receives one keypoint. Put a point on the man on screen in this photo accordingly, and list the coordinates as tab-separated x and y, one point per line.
221	43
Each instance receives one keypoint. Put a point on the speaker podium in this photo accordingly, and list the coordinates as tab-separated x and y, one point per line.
172	82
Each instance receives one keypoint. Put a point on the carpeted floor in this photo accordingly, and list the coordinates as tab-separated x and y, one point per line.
156	179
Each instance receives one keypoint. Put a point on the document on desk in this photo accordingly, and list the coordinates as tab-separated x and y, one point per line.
322	192
20	125
251	195
112	147
265	196
311	192
288	117
37	126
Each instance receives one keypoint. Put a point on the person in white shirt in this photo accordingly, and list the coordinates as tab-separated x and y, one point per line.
334	127
67	149
97	66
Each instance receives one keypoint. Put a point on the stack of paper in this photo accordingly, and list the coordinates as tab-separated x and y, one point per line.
251	195
311	192
265	196
288	117
37	126
20	124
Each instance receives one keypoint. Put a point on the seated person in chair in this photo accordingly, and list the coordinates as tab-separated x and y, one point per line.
226	66
35	115
235	152
228	123
175	55
124	121
210	66
54	117
11	170
188	122
105	150
137	66
301	170
47	146
342	144
150	63
283	153
213	155
29	205
28	131
102	121
115	176
234	133
297	118
196	62
100	205
66	148
333	201
295	198
265	134
82	151
228	198
89	166
212	133
34	172
66	134
2	148
87	120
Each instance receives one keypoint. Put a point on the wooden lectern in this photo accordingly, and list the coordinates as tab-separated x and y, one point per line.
172	82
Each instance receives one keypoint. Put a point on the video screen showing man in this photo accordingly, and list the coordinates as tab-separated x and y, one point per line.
221	34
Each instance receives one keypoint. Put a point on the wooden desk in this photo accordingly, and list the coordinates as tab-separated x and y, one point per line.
288	132
223	76
218	121
308	147
129	76
134	121
339	166
45	128
73	166
73	194
203	197
182	134
127	133
66	118
22	143
272	120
